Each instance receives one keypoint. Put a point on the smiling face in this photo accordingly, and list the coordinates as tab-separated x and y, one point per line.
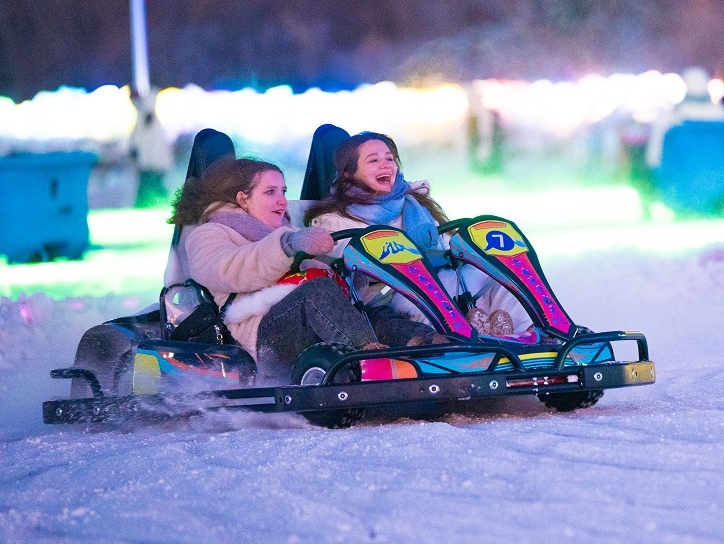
267	201
376	166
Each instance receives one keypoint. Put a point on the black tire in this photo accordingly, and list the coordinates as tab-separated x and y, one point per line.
108	353
311	367
567	402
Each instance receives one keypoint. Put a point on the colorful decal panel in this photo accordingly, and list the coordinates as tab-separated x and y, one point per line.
481	361
595	353
497	238
390	247
146	374
153	367
394	249
421	277
502	241
524	270
386	369
201	364
297	278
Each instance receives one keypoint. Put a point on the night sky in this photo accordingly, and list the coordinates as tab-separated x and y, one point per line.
336	44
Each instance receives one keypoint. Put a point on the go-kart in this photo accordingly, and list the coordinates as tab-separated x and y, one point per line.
178	360
137	371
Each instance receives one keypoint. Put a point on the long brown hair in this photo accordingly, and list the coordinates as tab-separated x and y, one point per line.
346	159
218	185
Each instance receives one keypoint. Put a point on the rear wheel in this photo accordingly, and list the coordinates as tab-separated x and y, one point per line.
310	369
566	402
108	353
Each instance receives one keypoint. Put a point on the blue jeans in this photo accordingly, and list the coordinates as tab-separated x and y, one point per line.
316	311
396	329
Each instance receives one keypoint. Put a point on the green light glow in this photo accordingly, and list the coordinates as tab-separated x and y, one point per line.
130	247
113	227
131	269
127	255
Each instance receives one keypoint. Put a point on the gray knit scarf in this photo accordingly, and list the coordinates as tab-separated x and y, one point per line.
250	228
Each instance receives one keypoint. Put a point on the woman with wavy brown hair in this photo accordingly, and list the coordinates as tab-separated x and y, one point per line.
370	189
243	245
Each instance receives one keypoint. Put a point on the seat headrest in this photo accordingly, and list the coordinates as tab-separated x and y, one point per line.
209	146
321	170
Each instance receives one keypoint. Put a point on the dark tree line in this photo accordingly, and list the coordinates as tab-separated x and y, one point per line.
338	44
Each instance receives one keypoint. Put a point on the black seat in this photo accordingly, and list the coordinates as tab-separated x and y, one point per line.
187	310
321	170
209	146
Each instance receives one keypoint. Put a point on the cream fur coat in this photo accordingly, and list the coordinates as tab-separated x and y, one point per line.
225	262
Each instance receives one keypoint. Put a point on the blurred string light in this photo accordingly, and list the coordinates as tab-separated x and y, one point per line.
278	115
716	89
70	117
562	108
66	119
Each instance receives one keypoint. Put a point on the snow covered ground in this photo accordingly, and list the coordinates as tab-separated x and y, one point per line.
643	465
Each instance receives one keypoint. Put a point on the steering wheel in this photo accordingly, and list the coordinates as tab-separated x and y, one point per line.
336	236
452	225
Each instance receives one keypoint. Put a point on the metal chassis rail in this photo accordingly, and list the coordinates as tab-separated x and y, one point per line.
457	387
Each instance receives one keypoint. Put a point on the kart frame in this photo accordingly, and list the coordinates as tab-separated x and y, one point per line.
507	369
488	383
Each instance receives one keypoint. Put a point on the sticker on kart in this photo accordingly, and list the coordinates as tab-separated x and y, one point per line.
497	238
390	247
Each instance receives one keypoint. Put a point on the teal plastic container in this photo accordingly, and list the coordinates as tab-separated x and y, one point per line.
44	205
690	178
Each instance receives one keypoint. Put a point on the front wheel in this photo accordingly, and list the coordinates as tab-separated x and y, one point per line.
567	402
311	368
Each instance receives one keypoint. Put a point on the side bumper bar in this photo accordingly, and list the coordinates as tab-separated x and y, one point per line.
458	387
